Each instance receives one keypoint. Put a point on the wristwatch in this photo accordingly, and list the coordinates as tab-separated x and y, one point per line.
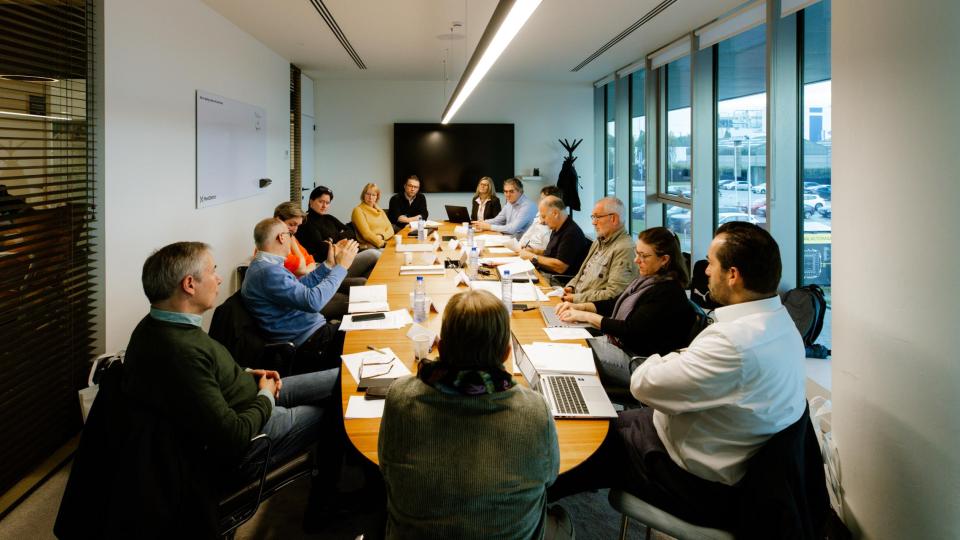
534	260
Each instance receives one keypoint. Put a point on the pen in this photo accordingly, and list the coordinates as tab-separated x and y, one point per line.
372	348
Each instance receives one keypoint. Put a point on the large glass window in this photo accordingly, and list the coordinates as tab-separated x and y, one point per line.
609	136
741	93
677	181
677	219
638	162
816	151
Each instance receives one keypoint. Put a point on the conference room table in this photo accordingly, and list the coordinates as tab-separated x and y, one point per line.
578	438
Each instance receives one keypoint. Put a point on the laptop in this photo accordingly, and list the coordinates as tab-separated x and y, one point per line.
552	320
457	214
569	396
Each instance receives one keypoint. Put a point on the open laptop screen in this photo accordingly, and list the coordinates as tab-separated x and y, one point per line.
523	363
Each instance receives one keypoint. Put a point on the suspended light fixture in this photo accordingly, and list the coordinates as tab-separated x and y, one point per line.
508	18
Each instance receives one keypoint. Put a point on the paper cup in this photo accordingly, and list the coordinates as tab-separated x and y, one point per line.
398	239
479	241
408	258
421	346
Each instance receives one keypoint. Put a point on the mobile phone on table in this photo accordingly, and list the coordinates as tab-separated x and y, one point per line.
368	317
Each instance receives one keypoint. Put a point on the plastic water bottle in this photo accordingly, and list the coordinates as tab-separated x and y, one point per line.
469	236
421	229
473	263
420	301
506	291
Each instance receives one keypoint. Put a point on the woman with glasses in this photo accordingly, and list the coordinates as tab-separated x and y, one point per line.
321	229
486	204
373	225
299	261
652	315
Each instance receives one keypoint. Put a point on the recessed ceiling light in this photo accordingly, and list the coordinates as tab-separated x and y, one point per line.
29	78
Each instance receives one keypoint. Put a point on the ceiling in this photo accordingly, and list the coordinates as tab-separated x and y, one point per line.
410	39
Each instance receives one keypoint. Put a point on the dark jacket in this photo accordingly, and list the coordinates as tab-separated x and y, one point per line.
659	323
489	211
400	206
319	227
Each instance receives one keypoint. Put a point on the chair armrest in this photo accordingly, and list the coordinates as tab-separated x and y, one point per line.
280	356
635	361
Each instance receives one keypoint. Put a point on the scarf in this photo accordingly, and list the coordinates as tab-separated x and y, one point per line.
628	300
465	382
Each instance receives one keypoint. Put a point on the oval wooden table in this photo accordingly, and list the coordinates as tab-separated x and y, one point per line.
578	439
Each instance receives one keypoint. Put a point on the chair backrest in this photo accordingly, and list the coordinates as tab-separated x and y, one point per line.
701	321
784	492
234	327
699	291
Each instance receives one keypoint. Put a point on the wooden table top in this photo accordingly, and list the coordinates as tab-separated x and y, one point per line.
579	439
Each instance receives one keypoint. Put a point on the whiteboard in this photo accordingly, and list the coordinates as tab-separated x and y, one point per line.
231	149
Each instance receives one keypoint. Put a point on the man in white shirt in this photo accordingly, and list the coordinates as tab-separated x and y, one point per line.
537	237
712	406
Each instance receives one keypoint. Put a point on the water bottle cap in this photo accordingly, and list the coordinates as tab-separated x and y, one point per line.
474	248
419	278
506	273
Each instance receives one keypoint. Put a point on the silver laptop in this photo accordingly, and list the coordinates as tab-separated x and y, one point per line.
569	396
552	320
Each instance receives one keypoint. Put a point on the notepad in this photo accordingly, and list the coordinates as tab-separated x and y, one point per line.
358	407
391	320
368	298
422	269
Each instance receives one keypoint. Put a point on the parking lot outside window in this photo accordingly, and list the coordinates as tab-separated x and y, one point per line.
638	162
678	219
741	127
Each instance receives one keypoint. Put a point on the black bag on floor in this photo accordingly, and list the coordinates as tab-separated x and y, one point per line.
808	307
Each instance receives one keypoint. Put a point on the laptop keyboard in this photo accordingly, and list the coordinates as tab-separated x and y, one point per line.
566	395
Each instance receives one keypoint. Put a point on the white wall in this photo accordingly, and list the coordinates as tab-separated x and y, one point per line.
157	54
354	139
896	375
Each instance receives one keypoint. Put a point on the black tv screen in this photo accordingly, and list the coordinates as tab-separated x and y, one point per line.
452	157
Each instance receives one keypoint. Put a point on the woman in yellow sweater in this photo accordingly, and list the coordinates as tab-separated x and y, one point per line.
372	224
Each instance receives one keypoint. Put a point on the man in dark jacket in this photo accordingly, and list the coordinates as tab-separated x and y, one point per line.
408	206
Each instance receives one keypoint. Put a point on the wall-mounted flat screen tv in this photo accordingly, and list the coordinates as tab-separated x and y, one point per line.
452	158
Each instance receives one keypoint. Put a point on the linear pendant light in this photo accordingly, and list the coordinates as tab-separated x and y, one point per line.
507	19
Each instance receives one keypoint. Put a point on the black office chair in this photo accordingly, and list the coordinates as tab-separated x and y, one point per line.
235	329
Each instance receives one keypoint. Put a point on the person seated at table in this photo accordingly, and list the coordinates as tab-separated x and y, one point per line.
372	224
299	261
567	247
409	206
652	315
538	235
486	204
609	267
713	405
288	308
465	451
188	407
516	216
320	229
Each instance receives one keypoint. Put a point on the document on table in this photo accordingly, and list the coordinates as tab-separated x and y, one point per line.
492	240
375	364
499	251
413	248
522	292
391	320
422	269
497	261
561	358
430	225
517	267
360	407
557	333
368	298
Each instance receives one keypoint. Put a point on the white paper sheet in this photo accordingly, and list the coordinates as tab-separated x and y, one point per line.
499	251
367	307
368	293
422	269
374	360
517	267
359	407
561	358
492	240
556	292
567	333
497	261
413	248
392	319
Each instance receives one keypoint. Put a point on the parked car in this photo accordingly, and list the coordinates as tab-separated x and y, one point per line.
826	210
679	222
759	188
754	206
810	185
727	217
724	183
739	185
824	192
813	200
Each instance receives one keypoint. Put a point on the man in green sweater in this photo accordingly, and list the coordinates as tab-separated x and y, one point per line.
175	370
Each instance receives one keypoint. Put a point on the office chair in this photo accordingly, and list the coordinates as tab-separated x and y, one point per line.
234	327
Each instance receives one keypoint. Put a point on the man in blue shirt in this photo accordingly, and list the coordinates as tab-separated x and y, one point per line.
287	308
517	214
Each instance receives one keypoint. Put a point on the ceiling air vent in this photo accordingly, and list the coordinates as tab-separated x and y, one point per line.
629	30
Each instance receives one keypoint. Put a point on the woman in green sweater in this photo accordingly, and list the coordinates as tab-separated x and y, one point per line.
465	451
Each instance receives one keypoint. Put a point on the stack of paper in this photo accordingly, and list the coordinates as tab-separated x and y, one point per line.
499	251
408	248
368	298
522	292
392	319
561	358
558	333
516	267
422	269
497	261
430	225
491	240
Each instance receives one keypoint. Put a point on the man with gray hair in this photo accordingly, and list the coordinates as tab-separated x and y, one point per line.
187	380
567	247
609	266
287	308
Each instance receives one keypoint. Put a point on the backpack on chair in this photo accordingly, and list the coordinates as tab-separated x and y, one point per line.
807	307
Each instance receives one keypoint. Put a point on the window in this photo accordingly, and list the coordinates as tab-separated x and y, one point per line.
741	123
609	136
677	219
816	151
638	141
677	172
